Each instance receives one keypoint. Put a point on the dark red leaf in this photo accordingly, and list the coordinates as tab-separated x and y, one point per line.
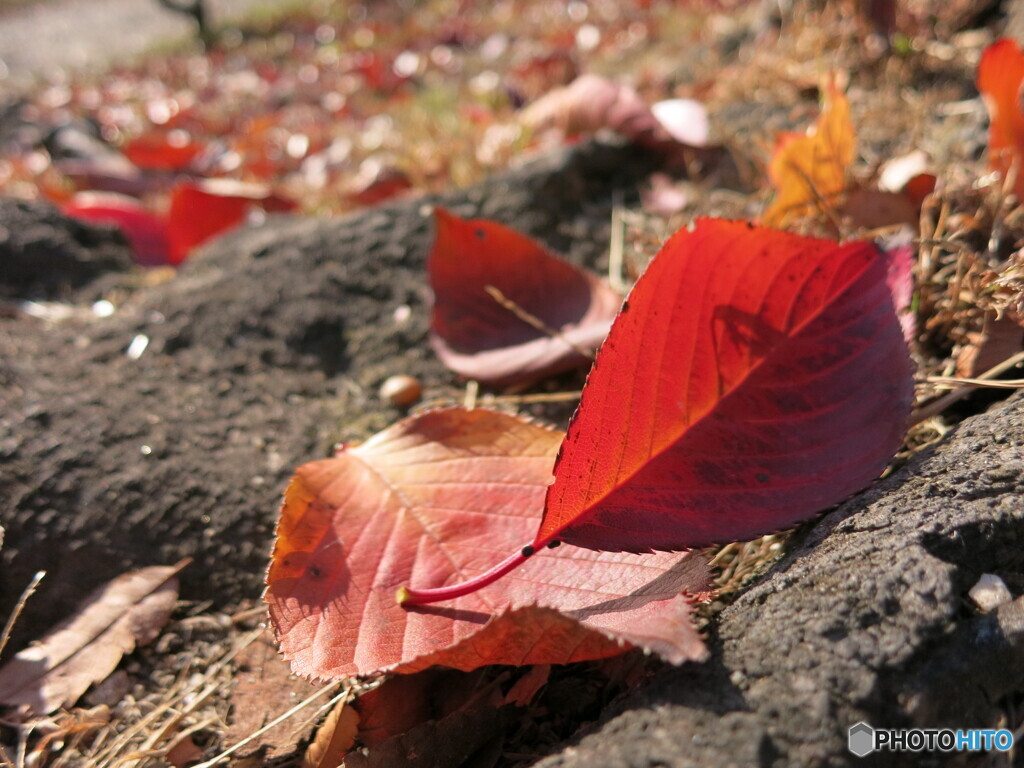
752	379
477	337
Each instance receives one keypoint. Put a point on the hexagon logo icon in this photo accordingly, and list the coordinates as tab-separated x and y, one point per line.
861	740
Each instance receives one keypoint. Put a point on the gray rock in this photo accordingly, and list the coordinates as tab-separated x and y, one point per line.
867	619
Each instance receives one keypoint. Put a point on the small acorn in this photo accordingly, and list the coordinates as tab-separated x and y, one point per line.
401	390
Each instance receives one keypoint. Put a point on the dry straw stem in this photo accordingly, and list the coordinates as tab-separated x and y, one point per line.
616	248
472	390
13	618
533	320
931	236
967	386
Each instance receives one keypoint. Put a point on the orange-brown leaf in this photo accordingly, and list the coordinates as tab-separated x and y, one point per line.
334	738
809	171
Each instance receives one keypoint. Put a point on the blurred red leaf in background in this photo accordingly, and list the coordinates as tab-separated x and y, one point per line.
146	232
163	151
202	209
1000	74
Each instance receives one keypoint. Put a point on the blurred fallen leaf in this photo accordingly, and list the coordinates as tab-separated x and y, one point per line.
184	752
79	153
376	183
664	196
685	120
119	616
481	337
809	170
1000	74
201	210
591	103
163	151
145	231
875	208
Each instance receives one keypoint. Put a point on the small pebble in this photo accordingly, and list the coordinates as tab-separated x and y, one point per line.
137	347
103	308
401	391
990	592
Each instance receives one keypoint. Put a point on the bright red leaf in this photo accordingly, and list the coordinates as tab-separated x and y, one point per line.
1000	74
436	499
752	379
202	209
145	231
478	337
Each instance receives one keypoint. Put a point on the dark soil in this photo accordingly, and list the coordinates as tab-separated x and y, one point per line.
265	351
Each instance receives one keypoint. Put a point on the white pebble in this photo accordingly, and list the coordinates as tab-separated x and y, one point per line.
990	592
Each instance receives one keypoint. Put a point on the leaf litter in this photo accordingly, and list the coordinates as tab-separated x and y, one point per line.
968	265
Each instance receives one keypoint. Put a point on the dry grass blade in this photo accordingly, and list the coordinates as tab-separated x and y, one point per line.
472	390
541	397
616	249
940	404
535	321
18	608
951	382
